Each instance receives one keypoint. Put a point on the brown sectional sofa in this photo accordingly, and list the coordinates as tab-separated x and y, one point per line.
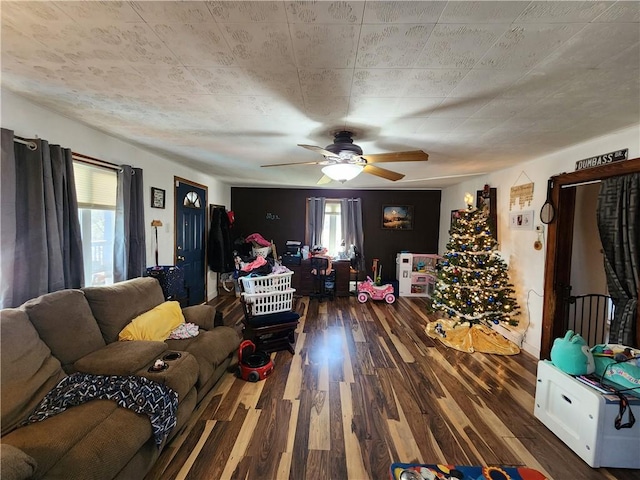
69	331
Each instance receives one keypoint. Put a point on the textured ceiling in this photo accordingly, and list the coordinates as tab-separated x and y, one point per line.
228	86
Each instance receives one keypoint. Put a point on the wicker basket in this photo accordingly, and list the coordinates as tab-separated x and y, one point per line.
267	283
269	302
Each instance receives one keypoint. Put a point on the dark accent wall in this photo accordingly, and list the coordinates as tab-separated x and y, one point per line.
279	214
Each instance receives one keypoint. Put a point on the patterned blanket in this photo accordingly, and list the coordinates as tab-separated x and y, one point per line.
139	394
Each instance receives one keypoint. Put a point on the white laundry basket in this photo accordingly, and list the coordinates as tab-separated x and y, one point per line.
267	283
269	302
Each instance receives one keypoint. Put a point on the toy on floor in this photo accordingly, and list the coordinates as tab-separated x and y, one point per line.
368	290
253	365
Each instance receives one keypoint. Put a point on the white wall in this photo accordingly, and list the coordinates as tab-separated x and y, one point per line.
526	265
29	120
587	259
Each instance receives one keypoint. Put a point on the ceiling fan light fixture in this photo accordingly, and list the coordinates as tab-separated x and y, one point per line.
342	172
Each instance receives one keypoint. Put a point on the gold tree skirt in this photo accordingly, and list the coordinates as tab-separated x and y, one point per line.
471	338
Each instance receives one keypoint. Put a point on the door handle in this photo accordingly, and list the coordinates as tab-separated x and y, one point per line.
180	258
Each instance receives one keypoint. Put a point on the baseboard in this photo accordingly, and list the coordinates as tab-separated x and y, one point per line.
511	334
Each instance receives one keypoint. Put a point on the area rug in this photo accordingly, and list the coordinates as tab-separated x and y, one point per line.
470	338
433	472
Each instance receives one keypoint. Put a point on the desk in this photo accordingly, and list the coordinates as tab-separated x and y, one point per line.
302	279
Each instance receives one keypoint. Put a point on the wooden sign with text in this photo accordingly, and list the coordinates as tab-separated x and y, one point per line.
599	160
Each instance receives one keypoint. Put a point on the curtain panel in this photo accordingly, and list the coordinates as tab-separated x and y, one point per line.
41	241
351	211
315	220
129	256
618	215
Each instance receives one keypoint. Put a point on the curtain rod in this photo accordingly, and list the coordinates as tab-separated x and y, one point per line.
76	156
24	141
94	161
589	182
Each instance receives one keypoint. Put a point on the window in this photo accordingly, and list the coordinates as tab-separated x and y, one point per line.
191	200
332	229
96	191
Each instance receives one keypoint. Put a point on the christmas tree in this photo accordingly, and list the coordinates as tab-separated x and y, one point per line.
473	283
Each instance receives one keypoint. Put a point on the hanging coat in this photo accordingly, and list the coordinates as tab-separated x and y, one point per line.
220	246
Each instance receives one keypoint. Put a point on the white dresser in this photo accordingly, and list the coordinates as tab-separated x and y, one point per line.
583	418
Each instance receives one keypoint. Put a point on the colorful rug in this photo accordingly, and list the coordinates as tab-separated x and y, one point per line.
437	472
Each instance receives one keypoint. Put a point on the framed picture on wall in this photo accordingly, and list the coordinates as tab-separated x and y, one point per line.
157	197
397	217
455	215
486	200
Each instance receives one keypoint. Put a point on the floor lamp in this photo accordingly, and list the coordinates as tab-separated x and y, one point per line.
155	224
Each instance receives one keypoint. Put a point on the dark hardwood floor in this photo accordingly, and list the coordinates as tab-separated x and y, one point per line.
367	388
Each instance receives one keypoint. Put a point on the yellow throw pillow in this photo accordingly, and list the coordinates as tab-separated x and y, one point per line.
156	324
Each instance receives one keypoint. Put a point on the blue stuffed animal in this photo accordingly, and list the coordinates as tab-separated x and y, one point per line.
571	354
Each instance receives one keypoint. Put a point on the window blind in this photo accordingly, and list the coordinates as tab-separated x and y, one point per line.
95	186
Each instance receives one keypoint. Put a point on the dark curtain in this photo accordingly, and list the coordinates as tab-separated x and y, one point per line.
220	244
315	220
351	212
41	240
619	226
129	256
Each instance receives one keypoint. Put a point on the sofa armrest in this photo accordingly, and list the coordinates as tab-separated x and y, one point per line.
121	358
201	315
15	464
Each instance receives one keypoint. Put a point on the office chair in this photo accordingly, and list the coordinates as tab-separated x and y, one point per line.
324	284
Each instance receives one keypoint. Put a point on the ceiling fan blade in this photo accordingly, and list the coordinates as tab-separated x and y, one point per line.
324	180
383	172
319	150
410	156
319	162
445	177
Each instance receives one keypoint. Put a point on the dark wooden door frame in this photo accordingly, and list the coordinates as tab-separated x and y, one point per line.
557	270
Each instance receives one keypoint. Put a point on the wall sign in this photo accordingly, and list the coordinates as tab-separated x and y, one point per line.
610	157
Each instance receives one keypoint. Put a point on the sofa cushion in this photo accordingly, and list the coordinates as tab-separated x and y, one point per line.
114	306
64	321
201	315
27	369
15	464
156	324
93	440
210	348
120	358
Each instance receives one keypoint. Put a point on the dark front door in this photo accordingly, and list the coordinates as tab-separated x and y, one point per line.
190	208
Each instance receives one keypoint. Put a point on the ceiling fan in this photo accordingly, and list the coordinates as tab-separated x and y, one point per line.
344	160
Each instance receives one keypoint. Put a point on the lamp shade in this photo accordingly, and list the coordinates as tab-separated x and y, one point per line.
342	171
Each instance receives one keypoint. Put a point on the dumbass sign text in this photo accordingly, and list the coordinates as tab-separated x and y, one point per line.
610	157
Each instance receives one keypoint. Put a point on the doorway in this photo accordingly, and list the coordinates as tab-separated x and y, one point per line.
191	237
557	278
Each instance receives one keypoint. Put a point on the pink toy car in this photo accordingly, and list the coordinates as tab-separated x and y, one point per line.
369	289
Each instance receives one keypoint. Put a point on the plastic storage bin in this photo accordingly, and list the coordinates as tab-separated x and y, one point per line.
583	418
269	302
267	283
